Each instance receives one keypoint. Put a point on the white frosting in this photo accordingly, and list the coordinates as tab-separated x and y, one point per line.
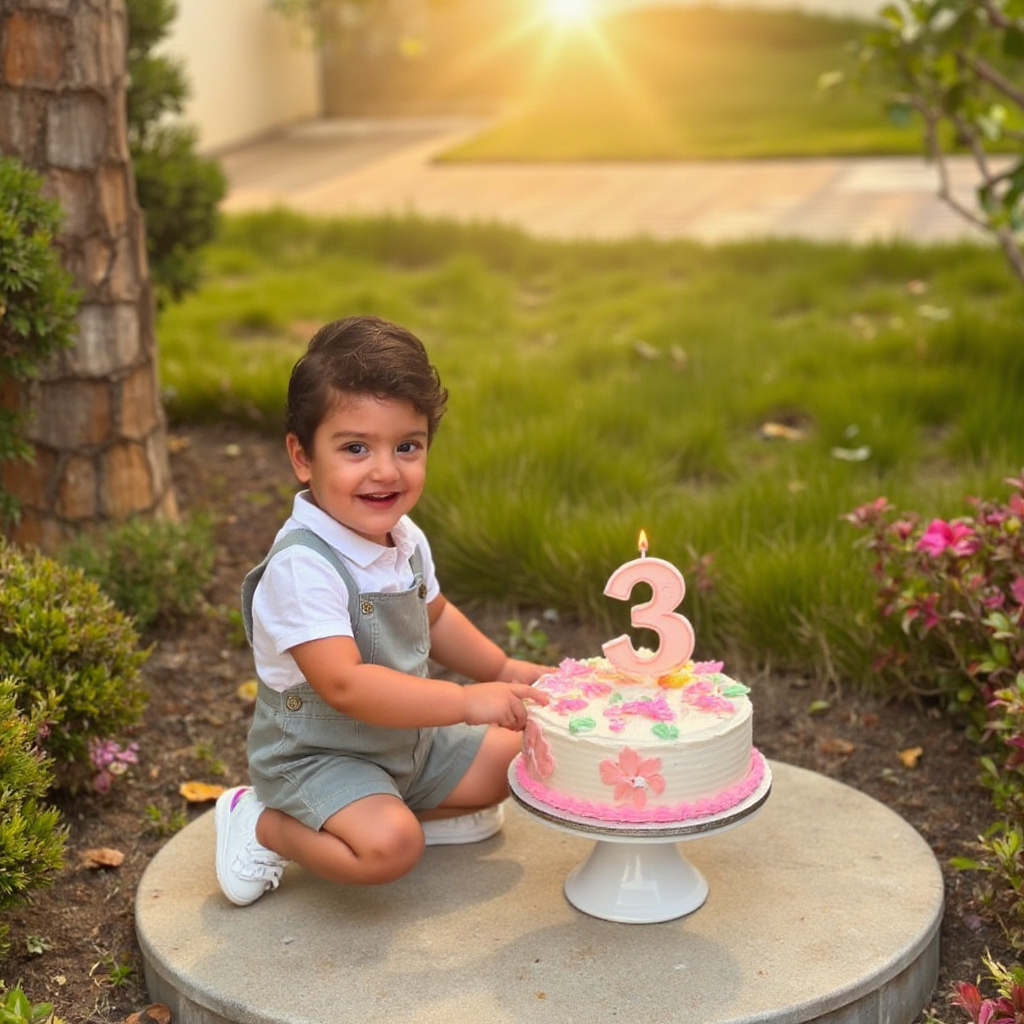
640	749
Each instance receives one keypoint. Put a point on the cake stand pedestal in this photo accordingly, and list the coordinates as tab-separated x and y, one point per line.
637	874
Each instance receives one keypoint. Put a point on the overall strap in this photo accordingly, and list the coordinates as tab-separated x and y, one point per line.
308	539
313	541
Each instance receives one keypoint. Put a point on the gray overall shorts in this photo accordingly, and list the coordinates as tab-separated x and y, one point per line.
309	760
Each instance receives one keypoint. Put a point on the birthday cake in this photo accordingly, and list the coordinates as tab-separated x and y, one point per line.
630	749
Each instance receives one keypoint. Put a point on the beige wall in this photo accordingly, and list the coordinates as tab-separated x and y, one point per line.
248	70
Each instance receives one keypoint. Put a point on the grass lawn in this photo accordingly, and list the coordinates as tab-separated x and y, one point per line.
686	83
602	388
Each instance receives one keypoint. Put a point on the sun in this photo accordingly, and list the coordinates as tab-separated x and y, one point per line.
569	10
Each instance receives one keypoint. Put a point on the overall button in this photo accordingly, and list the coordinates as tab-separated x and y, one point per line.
422	591
366	607
293	702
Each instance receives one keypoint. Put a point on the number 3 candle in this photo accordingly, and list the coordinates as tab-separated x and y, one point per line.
658	614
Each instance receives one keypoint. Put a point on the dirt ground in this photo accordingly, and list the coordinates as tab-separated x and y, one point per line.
74	943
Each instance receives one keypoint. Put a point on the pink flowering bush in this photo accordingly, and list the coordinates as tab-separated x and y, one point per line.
1006	1007
951	598
951	604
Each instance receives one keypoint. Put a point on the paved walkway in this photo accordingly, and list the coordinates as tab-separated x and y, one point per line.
369	167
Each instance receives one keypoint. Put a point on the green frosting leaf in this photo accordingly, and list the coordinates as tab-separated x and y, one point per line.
581	724
664	731
735	690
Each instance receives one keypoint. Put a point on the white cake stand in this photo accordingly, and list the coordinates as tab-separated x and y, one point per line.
636	874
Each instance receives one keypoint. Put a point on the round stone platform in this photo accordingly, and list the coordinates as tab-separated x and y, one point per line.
824	907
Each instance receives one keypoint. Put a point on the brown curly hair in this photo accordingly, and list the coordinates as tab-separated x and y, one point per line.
361	355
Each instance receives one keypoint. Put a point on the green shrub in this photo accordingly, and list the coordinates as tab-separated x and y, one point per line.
31	839
178	190
37	301
154	571
74	655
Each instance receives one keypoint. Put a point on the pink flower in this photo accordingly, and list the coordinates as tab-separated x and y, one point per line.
704	695
565	704
903	528
869	513
707	668
941	535
632	776
536	751
1017	589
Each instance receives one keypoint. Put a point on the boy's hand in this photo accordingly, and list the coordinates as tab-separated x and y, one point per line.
516	671
500	704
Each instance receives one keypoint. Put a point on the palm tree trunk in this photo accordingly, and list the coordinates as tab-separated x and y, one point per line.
97	424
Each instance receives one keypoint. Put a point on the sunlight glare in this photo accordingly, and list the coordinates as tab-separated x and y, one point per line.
569	10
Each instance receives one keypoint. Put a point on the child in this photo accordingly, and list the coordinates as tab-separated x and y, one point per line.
357	759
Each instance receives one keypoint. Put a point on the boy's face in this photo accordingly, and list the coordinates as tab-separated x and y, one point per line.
368	463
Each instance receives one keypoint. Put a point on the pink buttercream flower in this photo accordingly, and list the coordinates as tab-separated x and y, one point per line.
941	535
632	775
566	705
704	696
536	751
707	668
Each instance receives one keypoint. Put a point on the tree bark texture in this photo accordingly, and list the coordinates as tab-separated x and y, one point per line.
96	421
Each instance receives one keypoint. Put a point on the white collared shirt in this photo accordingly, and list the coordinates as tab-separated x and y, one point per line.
301	597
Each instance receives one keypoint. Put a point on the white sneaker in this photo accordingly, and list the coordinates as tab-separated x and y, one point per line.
245	868
467	828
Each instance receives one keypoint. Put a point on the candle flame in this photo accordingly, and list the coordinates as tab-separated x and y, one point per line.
642	544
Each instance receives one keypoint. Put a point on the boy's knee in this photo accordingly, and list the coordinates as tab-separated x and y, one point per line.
391	852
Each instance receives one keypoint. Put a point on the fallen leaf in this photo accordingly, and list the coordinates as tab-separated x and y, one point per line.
156	1013
837	746
102	857
818	707
247	691
200	792
861	454
911	756
780	432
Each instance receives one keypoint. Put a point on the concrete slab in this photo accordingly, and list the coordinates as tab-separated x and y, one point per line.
823	907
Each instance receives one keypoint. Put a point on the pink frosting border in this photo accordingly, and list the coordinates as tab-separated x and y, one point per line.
636	815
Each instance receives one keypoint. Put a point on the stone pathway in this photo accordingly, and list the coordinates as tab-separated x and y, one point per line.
371	167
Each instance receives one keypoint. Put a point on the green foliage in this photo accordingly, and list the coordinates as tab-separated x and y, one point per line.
162	822
31	839
74	656
529	641
16	1008
155	571
598	388
1005	1004
37	301
951	600
951	595
674	82
958	65
178	189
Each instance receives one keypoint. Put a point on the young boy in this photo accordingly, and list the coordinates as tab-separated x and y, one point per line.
357	759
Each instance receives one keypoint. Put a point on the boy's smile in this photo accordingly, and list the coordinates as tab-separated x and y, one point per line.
368	464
